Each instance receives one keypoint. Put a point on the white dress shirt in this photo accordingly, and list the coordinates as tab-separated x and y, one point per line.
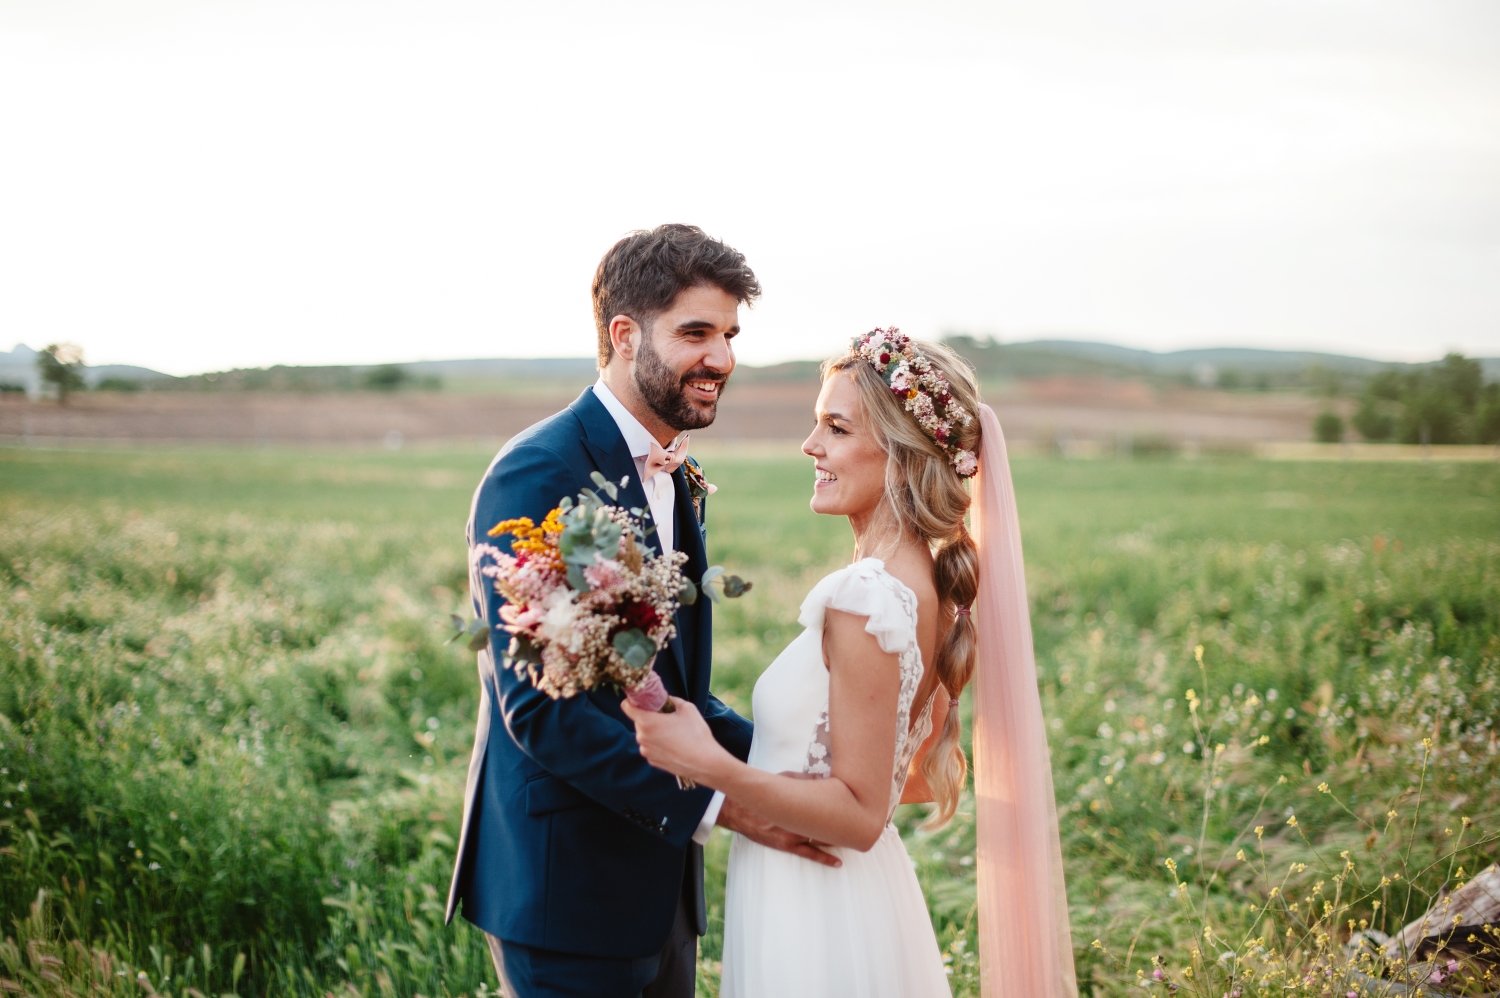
661	495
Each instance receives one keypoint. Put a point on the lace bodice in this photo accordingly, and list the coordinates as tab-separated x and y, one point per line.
791	696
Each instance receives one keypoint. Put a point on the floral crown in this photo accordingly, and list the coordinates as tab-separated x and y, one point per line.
922	389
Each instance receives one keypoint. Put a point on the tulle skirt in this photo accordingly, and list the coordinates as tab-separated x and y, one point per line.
795	929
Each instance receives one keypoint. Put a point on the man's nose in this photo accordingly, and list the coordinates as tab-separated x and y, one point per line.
720	356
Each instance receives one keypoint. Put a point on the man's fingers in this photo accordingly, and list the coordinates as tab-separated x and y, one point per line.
816	855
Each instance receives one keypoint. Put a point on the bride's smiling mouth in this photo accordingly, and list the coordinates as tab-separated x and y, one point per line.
823	478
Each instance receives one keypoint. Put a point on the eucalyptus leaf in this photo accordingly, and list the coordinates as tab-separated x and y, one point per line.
576	579
634	647
522	650
735	587
479	639
711	574
688	595
605	485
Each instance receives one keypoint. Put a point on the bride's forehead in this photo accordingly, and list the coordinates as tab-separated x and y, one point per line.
839	397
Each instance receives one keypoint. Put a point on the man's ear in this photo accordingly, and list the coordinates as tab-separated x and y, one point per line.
624	336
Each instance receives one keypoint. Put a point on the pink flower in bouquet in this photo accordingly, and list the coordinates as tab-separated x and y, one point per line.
519	619
605	574
560	620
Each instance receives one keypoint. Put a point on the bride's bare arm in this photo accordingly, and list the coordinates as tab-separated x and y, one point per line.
847	809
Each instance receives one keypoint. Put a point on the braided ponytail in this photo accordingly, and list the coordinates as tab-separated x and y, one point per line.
956	574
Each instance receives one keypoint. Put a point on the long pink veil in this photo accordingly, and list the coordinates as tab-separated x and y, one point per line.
1025	945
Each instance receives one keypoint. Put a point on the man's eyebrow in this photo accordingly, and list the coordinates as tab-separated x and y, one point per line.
688	325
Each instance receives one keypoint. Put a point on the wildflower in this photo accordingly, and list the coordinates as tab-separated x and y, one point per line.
1292	821
1323	788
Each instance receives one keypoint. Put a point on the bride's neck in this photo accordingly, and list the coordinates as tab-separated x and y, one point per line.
877	535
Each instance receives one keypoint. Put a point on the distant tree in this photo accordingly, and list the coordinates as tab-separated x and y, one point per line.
1462	379
118	385
1328	428
1230	379
1443	403
1431	417
1487	423
61	364
1322	381
387	378
1387	385
1372	420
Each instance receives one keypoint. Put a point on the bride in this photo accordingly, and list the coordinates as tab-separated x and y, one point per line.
859	713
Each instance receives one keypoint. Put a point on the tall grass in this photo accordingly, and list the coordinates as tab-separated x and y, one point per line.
232	745
231	742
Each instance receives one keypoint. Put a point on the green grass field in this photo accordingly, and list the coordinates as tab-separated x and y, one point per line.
232	743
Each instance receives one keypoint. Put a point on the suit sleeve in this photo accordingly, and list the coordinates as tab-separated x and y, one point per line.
574	739
730	729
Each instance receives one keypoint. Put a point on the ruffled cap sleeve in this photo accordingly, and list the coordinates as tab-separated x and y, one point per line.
866	589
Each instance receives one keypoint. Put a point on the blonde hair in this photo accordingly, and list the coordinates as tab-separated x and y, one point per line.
925	496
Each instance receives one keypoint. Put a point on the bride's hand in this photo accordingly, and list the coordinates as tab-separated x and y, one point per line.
679	742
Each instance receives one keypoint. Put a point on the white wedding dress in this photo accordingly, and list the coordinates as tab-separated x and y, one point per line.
794	928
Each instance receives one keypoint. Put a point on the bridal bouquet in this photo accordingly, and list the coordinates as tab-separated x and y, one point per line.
585	603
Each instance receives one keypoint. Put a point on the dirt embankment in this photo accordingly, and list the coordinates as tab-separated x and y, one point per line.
1069	411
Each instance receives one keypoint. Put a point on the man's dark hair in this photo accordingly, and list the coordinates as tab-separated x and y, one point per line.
643	274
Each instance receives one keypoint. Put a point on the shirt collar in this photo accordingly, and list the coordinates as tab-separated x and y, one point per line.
637	437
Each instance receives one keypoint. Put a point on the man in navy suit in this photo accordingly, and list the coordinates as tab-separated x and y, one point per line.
582	864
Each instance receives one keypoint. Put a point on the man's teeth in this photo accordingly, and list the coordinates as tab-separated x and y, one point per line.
705	386
827	476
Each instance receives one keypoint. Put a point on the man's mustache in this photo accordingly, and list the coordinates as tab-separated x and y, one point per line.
704	374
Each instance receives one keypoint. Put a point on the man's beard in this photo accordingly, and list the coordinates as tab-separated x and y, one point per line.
665	391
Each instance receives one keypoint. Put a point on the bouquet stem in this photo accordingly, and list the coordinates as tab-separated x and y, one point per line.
650	694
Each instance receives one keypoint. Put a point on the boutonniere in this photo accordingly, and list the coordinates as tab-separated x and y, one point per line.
699	487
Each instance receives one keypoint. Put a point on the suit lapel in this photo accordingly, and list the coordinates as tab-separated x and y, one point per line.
689	537
611	454
612	457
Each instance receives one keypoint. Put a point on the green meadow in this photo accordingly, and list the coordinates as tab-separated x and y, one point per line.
233	741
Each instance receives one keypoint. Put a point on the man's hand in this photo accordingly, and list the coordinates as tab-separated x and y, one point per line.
755	828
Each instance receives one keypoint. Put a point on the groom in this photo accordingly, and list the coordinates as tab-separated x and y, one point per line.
581	863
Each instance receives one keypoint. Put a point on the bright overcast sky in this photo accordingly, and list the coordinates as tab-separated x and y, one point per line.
200	185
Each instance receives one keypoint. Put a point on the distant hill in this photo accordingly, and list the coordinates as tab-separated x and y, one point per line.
18	368
1224	367
1227	367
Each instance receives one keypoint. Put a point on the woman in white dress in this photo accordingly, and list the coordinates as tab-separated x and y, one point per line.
859	712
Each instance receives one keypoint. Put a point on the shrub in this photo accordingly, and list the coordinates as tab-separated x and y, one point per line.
1328	428
1373	420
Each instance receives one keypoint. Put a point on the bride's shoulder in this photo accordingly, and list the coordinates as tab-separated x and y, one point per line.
866	589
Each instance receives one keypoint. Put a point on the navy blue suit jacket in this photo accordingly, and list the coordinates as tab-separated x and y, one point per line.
571	841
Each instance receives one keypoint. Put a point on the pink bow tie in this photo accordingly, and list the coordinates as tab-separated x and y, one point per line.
667	459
